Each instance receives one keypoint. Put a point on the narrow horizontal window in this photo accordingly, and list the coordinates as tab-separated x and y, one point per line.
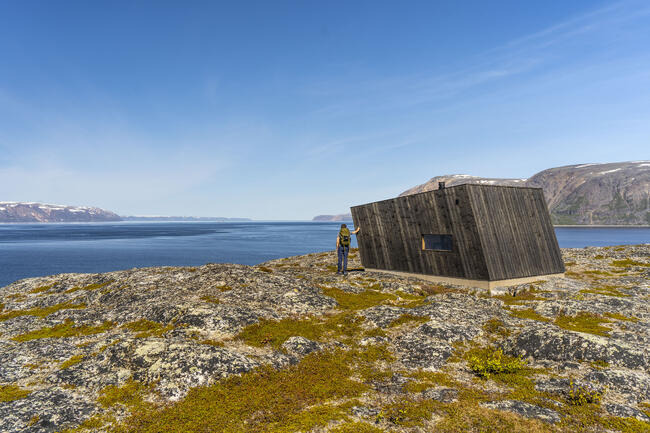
436	242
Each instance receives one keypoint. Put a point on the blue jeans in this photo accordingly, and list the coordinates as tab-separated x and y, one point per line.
343	256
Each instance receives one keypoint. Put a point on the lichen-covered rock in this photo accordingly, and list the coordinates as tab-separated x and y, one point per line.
46	410
623	411
67	339
547	342
300	346
441	394
524	409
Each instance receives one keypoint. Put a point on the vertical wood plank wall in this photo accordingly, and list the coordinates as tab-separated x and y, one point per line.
391	234
497	233
516	231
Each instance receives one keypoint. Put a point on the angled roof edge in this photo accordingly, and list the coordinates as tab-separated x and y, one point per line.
462	185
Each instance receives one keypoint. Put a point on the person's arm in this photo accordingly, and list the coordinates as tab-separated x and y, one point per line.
337	242
356	231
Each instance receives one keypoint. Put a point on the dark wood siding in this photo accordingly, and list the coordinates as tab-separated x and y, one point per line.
516	231
391	234
498	233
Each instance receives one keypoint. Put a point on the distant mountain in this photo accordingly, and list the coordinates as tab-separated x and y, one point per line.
608	194
182	218
16	212
341	217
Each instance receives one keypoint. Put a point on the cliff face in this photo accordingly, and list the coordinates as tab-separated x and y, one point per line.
12	212
290	346
616	193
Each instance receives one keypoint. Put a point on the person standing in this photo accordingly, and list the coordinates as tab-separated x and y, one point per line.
343	247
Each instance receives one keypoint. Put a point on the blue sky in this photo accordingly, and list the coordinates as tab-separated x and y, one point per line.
285	110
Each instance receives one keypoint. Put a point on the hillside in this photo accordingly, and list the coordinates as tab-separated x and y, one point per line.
288	346
608	194
337	218
16	212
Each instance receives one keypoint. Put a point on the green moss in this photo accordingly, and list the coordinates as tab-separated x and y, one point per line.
12	392
265	269
41	311
626	263
356	427
276	332
76	359
64	330
529	314
599	364
409	318
584	322
358	301
618	316
599	257
579	395
41	289
89	287
223	288
496	328
210	299
130	394
423	380
606	290
147	328
487	362
468	416
265	400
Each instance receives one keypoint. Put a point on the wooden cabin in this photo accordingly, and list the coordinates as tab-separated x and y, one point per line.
475	235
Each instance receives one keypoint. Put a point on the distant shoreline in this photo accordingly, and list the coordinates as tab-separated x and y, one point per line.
604	226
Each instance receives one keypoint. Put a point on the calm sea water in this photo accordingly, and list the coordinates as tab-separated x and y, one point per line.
29	250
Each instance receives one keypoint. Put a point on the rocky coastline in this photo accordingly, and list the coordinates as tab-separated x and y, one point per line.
288	346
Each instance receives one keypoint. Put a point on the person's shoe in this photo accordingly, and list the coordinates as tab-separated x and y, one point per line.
338	272
345	274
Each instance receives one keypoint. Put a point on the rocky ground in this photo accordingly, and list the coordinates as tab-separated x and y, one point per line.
291	346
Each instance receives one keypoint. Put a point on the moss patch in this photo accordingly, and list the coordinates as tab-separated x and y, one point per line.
618	316
12	392
146	328
76	359
130	394
89	287
210	299
41	311
265	400
358	301
64	330
584	322
409	318
41	289
626	263
606	290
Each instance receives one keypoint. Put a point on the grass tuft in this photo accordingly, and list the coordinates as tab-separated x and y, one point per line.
489	361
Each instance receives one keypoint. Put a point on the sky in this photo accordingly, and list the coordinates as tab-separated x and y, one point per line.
284	110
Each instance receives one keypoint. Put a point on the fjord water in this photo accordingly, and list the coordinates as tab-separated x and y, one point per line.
29	250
